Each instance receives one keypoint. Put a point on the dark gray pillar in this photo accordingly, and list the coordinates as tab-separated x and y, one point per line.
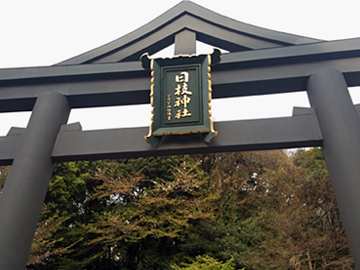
340	127
185	42
27	183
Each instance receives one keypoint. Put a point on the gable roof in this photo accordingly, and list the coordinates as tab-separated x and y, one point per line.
209	27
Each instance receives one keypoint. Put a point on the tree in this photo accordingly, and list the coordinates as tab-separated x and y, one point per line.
66	206
151	212
275	212
299	217
246	210
205	262
238	229
128	214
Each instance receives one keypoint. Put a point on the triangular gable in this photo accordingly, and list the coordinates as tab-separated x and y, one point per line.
210	27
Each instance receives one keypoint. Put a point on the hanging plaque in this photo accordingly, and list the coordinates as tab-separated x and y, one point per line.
180	95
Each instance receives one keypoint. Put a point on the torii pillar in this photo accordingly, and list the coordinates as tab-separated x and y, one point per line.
25	188
340	127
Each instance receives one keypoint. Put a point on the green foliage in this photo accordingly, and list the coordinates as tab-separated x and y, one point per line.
247	210
205	262
4	171
146	211
301	222
45	244
67	188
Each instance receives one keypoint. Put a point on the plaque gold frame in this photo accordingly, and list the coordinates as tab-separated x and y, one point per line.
203	64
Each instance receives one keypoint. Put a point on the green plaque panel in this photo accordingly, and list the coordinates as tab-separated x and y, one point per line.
180	95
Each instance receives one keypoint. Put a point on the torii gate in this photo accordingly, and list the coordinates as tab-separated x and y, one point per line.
260	62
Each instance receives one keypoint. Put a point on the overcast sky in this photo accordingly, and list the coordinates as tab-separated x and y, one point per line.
41	33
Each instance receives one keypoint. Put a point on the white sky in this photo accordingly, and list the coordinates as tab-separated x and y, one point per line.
41	33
